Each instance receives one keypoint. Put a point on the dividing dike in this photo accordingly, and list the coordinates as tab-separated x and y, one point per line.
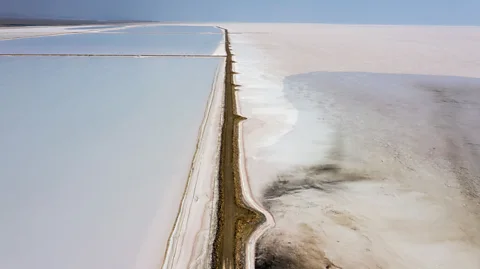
236	220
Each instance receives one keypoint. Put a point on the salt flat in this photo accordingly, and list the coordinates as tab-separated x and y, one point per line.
360	146
362	143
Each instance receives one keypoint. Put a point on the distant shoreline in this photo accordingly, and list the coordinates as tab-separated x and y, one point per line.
19	22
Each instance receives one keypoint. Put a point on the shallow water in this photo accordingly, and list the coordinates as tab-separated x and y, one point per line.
114	43
94	157
170	29
86	27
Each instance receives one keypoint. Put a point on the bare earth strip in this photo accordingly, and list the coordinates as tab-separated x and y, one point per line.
236	217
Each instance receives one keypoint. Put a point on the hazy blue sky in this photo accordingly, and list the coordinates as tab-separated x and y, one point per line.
465	12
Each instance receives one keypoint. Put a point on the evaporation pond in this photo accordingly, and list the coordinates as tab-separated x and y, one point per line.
93	150
171	29
93	27
114	43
